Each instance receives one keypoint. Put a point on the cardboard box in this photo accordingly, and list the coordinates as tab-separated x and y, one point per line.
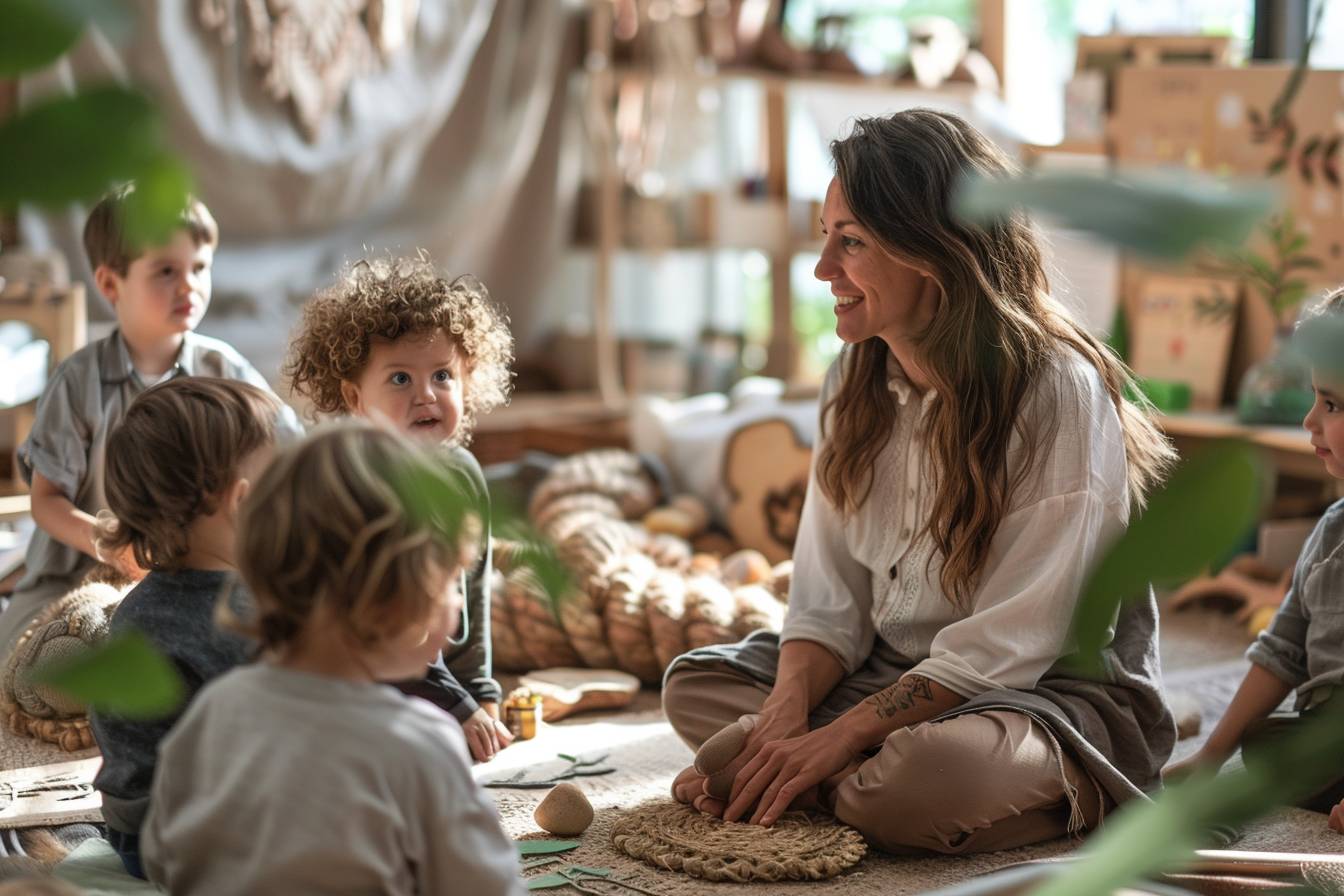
1182	331
1219	120
1161	116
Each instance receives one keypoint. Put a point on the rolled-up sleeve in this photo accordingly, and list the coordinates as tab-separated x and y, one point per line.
830	593
1024	604
58	444
1282	648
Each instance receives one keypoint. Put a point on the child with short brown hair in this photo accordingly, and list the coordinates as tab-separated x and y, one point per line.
303	773
395	341
178	466
159	294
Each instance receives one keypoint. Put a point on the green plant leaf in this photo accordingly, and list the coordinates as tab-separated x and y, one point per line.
154	208
545	847
73	148
124	676
537	553
437	494
1259	267
1155	214
1208	504
1307	262
35	33
1148	837
1319	341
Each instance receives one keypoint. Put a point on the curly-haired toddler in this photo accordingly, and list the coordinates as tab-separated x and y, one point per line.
395	341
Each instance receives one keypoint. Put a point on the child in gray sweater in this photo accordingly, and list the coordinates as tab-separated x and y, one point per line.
305	773
177	468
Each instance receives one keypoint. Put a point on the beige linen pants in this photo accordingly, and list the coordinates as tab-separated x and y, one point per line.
974	783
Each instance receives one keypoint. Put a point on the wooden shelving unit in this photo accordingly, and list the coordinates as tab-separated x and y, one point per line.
778	234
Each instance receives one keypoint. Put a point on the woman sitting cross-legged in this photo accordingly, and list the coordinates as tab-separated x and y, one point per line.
976	457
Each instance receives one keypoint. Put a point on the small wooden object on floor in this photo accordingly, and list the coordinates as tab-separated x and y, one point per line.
566	691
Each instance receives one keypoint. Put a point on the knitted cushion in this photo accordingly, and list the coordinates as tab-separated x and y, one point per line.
62	631
799	846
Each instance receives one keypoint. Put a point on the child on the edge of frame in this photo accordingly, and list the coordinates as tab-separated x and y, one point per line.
396	342
304	772
159	294
1303	648
178	467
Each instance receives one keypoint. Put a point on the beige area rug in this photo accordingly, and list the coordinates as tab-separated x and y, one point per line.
1202	657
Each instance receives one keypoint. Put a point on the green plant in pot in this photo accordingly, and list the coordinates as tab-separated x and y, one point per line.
1277	389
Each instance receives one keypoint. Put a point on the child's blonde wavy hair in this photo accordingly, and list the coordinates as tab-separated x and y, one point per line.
358	520
388	299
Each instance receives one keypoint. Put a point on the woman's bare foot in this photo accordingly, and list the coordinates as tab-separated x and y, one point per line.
689	787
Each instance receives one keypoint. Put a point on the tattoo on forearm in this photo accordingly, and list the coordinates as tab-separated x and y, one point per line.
903	695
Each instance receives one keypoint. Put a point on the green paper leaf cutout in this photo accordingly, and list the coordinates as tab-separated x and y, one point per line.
545	847
581	871
547	881
1209	503
124	676
1155	214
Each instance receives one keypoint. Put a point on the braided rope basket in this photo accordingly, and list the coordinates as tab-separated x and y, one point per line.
799	846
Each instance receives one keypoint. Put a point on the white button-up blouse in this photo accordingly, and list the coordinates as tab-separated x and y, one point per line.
876	575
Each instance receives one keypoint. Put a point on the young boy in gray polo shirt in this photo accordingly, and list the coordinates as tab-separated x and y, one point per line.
159	295
1303	648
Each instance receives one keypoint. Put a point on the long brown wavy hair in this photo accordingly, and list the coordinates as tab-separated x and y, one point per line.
996	328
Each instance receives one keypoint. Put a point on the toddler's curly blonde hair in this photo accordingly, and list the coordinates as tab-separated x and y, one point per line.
388	298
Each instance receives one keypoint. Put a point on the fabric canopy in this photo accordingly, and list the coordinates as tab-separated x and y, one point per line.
455	144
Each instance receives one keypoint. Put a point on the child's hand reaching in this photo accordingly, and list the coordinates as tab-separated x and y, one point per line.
1337	818
486	735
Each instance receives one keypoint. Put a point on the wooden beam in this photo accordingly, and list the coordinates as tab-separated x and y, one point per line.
606	198
994	36
781	353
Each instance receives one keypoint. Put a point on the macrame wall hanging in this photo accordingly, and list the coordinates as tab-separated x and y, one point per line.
310	51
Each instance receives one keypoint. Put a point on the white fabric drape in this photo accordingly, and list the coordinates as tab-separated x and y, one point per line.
457	145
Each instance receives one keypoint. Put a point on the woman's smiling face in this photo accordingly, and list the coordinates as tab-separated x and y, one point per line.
875	294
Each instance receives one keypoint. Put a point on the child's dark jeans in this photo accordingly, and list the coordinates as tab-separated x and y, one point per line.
127	848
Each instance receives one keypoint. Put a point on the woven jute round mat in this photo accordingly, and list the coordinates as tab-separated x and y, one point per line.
798	847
